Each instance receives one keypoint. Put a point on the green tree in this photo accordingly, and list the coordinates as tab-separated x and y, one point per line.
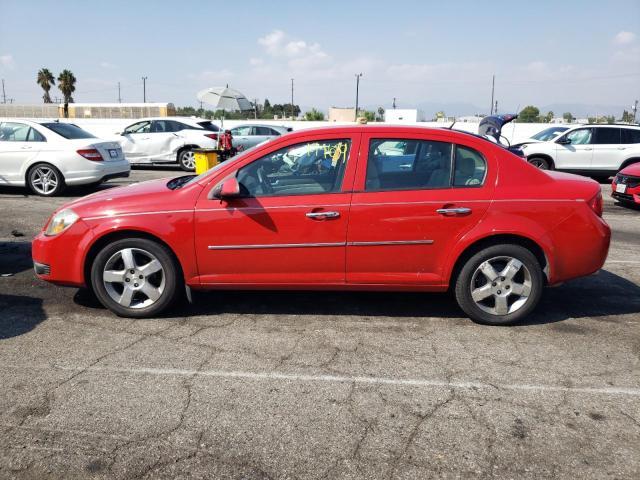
368	115
67	85
380	114
627	117
314	115
529	114
568	117
548	117
45	79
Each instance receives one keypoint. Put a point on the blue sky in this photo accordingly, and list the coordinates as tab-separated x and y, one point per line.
542	52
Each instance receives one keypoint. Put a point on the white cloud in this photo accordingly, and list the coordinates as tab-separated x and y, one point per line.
624	38
108	65
299	53
7	61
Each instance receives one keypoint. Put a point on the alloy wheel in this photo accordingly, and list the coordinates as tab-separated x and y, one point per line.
188	159
134	278
44	180
501	285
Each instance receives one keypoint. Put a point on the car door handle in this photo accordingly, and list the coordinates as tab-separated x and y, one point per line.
26	147
449	212
587	149
323	215
622	148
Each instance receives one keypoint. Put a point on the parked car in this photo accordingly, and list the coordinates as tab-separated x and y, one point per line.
626	185
247	136
168	140
595	150
543	136
457	212
48	156
491	128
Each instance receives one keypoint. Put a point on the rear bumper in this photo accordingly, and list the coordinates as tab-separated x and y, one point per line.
581	245
101	171
632	195
60	259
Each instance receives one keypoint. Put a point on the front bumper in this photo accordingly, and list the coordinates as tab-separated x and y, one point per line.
632	190
60	259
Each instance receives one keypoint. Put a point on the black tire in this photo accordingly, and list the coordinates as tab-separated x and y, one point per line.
41	178
186	160
519	306
540	162
166	283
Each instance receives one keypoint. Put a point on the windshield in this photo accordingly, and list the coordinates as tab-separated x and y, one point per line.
548	133
217	167
68	130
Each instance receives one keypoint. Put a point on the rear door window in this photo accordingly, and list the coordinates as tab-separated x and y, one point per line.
630	135
607	136
241	131
396	164
470	168
264	131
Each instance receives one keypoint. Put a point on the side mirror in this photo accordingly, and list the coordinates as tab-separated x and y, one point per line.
226	189
564	141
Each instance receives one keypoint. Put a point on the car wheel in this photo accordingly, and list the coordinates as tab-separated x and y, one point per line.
539	162
187	160
45	179
499	285
135	278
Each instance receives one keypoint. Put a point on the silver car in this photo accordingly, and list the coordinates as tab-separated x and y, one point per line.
247	136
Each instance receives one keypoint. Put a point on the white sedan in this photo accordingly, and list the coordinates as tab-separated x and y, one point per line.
47	156
168	140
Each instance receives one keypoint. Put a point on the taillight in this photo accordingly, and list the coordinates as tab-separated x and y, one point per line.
91	154
596	204
212	136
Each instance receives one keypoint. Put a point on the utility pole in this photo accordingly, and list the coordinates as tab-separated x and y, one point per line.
495	110
358	75
4	95
119	99
144	89
634	108
292	99
493	85
394	103
255	108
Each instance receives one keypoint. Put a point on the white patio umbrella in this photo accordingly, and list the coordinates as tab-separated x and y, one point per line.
224	98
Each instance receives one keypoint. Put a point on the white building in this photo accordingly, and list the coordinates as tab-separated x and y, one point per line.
403	115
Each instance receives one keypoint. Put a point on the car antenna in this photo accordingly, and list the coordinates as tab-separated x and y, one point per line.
450	127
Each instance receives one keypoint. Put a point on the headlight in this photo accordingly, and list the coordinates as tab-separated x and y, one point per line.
60	222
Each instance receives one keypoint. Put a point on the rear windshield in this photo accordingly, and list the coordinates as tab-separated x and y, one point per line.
68	130
209	126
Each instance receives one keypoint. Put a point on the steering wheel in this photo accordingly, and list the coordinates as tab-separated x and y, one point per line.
264	181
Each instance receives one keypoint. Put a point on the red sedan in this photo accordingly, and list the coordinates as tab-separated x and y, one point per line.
626	185
346	208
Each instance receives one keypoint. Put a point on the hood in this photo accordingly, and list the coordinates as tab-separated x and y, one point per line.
633	169
152	195
492	126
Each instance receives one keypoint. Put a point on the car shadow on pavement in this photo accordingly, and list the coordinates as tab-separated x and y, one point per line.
628	206
20	314
601	296
15	257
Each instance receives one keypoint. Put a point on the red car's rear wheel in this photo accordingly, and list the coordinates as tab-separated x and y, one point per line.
500	284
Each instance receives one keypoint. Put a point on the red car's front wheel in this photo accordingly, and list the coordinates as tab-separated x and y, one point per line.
135	277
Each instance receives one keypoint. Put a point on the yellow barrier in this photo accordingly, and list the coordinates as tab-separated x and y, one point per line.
205	158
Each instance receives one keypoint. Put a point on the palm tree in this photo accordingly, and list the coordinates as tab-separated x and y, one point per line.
45	80
67	85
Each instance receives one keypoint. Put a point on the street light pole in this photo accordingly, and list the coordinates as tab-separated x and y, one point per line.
144	89
358	75
292	99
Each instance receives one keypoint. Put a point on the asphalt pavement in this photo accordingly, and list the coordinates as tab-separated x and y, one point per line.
298	385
